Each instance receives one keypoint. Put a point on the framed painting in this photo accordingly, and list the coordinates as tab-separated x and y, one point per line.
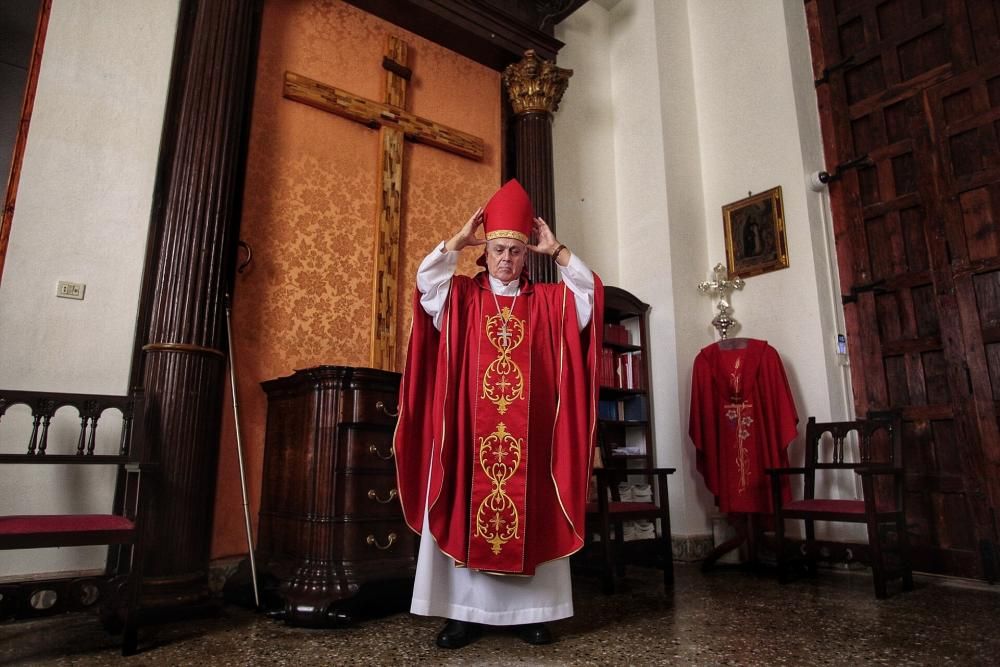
755	234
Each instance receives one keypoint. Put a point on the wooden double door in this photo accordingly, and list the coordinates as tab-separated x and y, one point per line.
909	96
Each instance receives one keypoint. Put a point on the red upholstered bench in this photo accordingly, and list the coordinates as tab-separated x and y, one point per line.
879	463
122	527
29	531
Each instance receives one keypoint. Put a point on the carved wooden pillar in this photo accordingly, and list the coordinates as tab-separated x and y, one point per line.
535	87
194	225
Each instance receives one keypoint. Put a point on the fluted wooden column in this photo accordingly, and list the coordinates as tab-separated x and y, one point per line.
194	226
535	87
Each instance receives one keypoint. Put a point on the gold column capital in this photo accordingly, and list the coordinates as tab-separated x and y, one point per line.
534	84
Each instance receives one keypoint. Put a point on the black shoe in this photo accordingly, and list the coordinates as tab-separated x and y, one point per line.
535	633
457	634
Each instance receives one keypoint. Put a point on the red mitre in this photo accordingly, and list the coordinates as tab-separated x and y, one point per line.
508	214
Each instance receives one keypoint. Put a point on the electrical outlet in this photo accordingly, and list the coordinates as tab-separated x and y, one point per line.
68	290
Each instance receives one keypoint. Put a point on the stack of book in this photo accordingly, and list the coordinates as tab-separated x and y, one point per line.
634	408
618	334
622	370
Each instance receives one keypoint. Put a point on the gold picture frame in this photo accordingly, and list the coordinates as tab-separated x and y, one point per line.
755	234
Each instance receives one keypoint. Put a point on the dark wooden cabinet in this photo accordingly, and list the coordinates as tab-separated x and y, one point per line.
330	518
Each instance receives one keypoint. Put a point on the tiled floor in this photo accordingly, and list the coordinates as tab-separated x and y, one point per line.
725	617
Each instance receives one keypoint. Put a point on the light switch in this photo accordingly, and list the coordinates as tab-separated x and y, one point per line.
68	290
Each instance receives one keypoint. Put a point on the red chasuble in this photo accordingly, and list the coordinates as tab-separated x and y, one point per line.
742	420
497	424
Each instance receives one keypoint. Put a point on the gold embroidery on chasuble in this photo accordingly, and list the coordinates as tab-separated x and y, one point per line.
497	518
739	413
503	382
498	499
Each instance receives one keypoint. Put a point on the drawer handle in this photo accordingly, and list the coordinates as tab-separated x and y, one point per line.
373	449
381	406
373	495
372	542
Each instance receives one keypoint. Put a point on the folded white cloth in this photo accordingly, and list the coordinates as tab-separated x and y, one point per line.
625	491
631	449
643	530
633	530
642	493
628	531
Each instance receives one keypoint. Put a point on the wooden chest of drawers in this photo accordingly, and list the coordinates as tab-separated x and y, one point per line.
330	519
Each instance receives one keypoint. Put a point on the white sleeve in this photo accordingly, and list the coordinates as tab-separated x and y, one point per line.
580	280
434	279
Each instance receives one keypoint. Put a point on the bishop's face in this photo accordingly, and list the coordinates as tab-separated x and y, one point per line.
505	258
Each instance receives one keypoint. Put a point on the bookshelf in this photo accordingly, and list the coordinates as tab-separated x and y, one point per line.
630	495
625	406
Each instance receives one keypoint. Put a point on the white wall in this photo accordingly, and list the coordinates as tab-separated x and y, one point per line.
82	215
689	238
645	142
711	99
583	139
657	189
759	120
749	143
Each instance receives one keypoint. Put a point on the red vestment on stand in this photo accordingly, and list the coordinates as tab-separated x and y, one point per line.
742	420
504	469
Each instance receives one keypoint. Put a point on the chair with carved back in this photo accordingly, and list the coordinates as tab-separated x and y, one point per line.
609	511
879	465
121	528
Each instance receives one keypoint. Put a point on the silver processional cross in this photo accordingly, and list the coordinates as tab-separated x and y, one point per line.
722	286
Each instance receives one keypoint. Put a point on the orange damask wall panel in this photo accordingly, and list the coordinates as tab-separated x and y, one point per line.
309	210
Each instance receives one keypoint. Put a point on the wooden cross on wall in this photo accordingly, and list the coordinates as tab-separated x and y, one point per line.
394	124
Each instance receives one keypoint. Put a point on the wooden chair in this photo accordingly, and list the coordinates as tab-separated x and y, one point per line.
123	526
609	510
882	506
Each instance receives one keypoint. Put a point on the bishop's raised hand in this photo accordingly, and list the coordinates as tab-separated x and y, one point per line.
548	244
466	236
